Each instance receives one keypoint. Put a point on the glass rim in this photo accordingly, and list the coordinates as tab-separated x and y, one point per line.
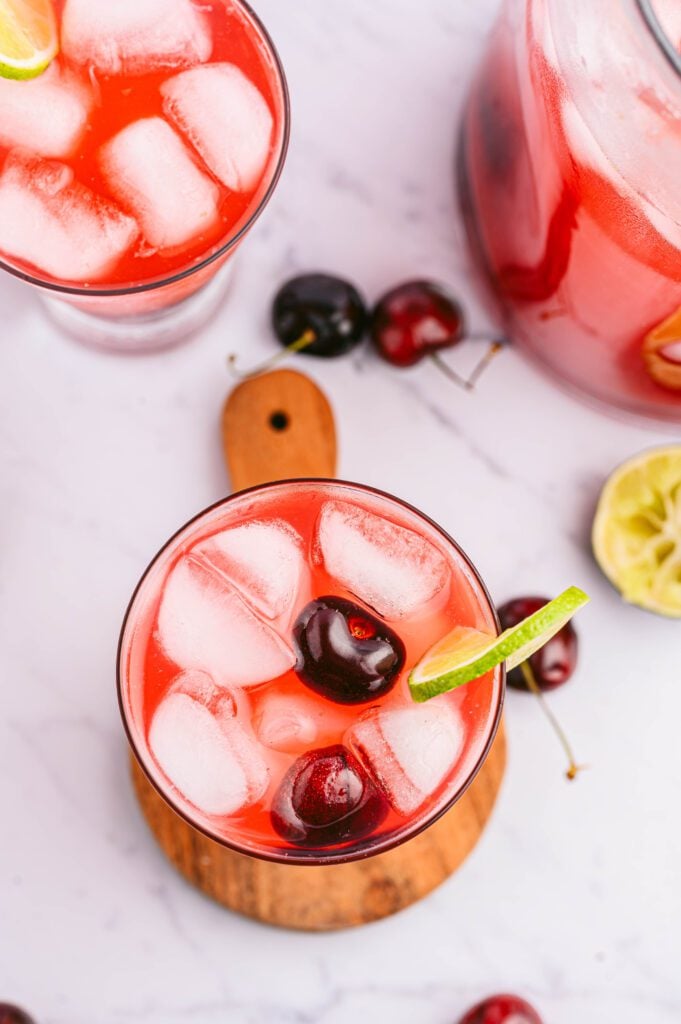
650	17
79	291
313	858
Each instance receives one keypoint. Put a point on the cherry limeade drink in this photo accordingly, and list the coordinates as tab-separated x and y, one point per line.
263	671
570	158
146	146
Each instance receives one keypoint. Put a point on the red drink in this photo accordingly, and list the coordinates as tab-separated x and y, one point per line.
571	145
263	672
134	164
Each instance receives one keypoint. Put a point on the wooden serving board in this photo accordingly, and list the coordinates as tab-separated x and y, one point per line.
278	426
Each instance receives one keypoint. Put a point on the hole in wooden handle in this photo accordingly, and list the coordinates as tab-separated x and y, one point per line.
279	421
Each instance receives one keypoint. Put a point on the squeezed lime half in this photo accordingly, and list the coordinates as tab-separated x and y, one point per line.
637	530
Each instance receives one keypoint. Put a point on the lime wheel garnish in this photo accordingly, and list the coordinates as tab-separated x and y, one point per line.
466	654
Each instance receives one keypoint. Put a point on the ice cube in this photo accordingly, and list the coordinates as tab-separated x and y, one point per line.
219	700
204	624
135	36
211	759
153	175
226	119
409	750
46	115
263	560
286	723
587	150
582	142
390	568
50	220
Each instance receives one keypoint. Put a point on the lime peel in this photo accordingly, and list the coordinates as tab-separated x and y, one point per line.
29	38
466	654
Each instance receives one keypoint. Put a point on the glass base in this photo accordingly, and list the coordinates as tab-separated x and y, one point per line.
148	332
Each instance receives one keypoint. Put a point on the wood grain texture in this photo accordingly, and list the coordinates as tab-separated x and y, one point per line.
290	896
338	896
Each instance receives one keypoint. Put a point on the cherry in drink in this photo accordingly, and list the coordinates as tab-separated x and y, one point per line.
263	672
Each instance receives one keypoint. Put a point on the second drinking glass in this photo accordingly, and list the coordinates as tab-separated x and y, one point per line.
136	163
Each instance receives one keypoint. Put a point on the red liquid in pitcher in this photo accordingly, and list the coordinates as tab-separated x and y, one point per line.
567	160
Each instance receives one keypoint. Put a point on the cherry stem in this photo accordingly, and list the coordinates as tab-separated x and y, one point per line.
469	384
448	371
533	686
492	352
306	339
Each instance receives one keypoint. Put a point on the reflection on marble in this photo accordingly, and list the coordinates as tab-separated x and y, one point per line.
572	897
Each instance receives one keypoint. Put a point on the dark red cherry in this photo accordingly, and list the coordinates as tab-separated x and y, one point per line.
327	798
554	663
415	320
502	1009
328	309
345	653
13	1015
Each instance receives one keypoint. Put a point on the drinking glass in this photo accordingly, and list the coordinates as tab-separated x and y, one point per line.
166	621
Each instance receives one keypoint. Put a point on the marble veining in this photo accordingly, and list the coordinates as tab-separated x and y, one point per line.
572	896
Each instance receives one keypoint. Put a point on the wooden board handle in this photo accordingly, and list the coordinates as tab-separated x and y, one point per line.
278	426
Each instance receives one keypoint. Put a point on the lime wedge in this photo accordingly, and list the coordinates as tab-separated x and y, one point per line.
29	39
637	530
465	654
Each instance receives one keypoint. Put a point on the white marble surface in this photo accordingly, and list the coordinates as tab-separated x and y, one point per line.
573	895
